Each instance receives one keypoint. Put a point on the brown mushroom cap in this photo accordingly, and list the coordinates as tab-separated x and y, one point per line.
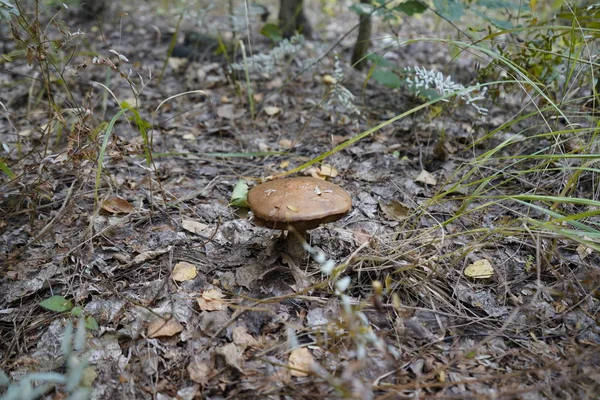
303	202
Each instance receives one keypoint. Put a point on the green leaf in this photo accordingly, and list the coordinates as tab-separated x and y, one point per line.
450	9
380	61
496	22
272	31
239	197
91	323
362	9
57	304
411	7
77	311
387	78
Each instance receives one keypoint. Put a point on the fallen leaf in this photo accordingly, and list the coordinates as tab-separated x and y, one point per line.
198	372
275	83
160	327
300	360
426	178
480	269
286	143
212	300
193	226
176	63
184	271
314	172
395	210
232	355
226	111
583	250
258	97
242	338
271	110
117	205
328	170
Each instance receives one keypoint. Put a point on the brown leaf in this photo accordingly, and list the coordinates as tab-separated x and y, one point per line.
212	300
226	111
193	226
242	338
232	355
160	327
394	210
198	371
426	178
300	360
117	205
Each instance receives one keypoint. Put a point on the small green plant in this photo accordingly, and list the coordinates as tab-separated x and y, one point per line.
76	381
60	304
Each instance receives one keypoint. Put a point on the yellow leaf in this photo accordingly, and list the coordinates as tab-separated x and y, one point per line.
184	271
480	269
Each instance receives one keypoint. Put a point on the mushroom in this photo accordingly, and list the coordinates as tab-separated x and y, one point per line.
303	203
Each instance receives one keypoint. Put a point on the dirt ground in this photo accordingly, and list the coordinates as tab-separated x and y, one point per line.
192	300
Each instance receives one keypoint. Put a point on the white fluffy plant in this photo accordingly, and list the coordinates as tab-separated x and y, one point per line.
354	322
72	382
430	84
266	63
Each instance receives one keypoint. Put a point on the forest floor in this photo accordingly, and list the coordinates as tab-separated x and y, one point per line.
192	300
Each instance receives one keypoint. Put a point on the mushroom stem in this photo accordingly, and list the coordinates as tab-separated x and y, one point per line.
294	244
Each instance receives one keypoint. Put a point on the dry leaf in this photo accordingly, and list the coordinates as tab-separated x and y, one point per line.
193	226
328	170
258	97
300	360
176	63
284	164
160	327
426	178
117	205
286	143
271	111
184	271
232	355
480	269
275	83
212	300
226	111
198	372
329	80
242	338
583	250
395	210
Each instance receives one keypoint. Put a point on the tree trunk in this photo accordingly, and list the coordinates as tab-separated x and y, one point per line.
292	19
363	40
